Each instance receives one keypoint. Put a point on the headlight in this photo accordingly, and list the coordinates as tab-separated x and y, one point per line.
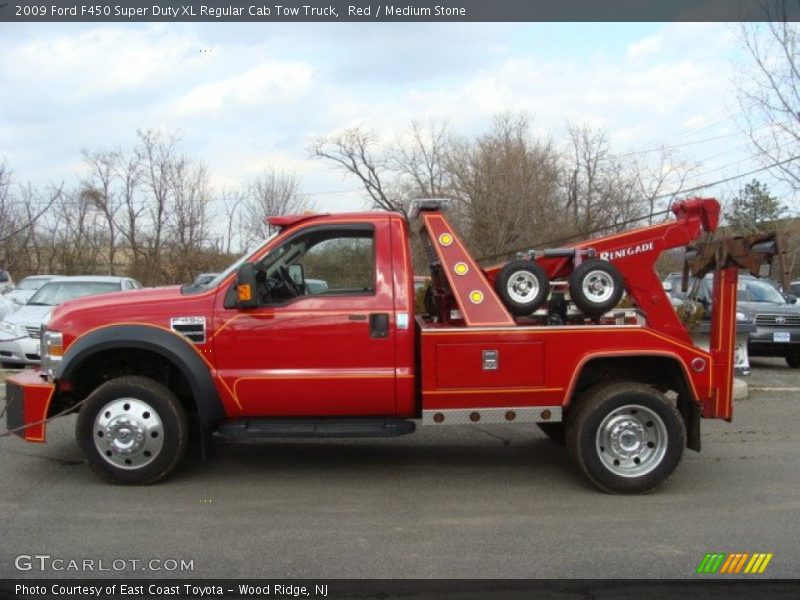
743	317
8	328
51	350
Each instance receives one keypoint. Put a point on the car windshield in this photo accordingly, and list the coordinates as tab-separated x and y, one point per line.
31	283
748	290
753	290
58	292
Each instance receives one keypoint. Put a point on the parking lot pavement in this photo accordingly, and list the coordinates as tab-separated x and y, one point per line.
461	502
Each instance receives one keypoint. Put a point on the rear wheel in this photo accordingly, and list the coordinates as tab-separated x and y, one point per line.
793	360
523	286
625	437
132	430
596	286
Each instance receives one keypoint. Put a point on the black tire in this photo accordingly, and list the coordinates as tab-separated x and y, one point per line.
596	286
429	300
142	421
643	417
793	360
555	431
523	286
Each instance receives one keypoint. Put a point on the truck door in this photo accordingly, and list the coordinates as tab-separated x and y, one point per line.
321	341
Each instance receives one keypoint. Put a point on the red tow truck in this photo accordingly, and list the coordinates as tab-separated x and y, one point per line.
259	352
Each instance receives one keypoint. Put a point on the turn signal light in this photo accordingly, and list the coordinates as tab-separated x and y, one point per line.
244	292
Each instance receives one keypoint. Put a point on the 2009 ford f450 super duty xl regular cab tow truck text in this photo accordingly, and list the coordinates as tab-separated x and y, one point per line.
256	352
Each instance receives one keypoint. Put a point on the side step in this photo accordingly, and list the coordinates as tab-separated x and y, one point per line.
315	428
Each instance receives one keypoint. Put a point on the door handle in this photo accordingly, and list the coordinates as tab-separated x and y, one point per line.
379	325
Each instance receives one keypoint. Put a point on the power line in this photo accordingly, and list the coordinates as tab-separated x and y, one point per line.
715	118
331	192
694	143
727	179
642	218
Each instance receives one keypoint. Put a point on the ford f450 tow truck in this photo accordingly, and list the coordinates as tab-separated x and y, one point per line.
257	353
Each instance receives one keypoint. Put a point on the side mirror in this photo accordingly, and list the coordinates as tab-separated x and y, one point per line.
246	286
297	274
791	299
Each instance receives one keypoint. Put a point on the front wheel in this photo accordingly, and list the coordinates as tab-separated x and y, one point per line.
132	430
625	437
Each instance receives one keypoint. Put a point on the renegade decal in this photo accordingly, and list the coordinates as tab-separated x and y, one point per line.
629	251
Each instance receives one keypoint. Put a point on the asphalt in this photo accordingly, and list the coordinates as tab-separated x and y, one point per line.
473	502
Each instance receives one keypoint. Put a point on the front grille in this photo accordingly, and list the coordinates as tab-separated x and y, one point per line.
778	320
34	331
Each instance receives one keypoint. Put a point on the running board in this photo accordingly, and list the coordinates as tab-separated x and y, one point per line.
314	428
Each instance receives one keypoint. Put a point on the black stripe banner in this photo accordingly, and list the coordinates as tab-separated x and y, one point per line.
441	589
401	11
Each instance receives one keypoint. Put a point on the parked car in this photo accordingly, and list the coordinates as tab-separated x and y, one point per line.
20	331
27	288
6	307
204	278
316	286
776	317
6	282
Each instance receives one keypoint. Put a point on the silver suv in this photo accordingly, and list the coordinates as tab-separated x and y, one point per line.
776	317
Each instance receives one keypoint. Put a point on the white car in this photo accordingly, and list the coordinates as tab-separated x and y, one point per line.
6	282
27	288
20	331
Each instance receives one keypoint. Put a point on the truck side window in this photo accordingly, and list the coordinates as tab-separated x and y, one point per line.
335	262
340	265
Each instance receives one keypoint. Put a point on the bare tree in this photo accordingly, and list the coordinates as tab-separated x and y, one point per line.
604	192
98	190
75	235
420	164
272	193
18	215
156	152
356	152
187	234
769	94
232	202
505	183
665	172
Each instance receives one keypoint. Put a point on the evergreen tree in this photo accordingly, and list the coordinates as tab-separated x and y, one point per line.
753	207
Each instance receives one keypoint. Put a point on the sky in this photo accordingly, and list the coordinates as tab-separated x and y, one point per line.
250	97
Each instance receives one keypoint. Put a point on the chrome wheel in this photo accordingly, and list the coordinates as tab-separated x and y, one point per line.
523	286
598	286
128	433
631	441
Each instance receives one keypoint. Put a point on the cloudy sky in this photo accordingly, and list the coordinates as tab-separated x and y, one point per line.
250	96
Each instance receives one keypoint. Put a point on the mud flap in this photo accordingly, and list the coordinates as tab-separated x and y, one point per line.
28	399
691	412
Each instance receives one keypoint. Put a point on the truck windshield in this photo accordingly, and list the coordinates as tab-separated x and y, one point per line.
212	283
